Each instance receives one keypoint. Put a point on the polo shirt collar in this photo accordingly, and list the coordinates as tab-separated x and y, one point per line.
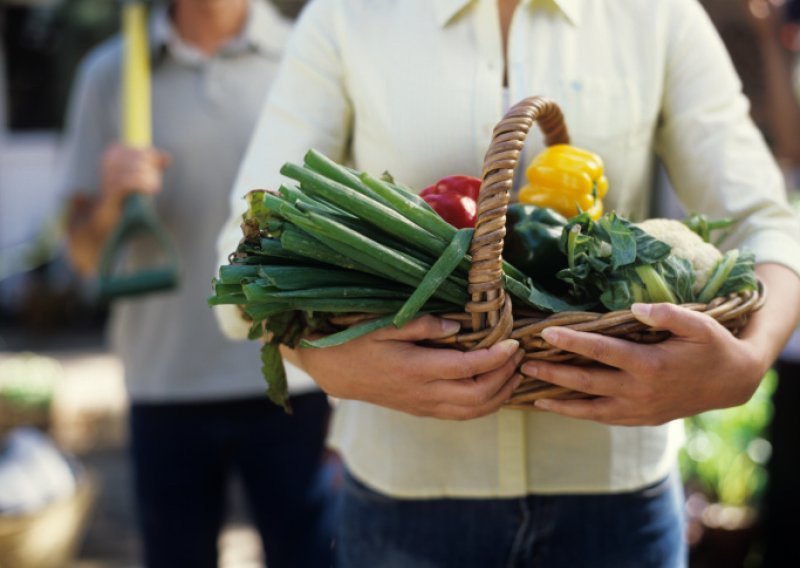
447	10
264	30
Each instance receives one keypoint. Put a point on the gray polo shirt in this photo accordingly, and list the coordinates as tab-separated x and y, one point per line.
204	109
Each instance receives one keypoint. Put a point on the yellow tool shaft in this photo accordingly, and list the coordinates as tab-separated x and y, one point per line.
136	120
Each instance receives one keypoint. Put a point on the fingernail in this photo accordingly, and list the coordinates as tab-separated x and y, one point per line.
542	404
449	326
551	334
509	345
530	369
643	312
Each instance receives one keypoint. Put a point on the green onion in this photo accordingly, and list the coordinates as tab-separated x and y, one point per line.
435	277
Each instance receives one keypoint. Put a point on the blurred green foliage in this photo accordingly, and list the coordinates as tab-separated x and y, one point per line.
28	379
727	450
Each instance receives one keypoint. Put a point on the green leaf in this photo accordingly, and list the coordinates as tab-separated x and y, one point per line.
680	275
275	374
700	224
649	249
540	299
623	241
714	285
619	294
657	289
742	276
350	333
438	273
279	326
256	331
235	273
303	277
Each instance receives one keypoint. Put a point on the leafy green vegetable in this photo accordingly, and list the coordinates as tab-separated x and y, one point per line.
273	370
734	273
616	262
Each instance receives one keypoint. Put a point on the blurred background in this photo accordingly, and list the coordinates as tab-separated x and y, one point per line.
62	400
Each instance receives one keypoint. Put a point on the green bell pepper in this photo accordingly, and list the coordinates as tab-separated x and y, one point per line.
532	244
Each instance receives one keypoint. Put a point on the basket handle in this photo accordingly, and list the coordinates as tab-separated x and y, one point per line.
490	305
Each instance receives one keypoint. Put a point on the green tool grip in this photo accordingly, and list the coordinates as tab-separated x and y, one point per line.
138	218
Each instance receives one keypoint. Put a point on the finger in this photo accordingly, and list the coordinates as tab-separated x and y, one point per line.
458	412
680	321
419	329
597	347
598	409
453	364
476	391
591	380
162	159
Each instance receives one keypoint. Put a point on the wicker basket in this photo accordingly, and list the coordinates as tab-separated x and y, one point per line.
490	317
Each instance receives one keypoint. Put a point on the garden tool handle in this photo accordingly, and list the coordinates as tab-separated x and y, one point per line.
138	215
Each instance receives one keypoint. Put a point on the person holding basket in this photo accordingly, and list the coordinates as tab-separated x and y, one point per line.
437	472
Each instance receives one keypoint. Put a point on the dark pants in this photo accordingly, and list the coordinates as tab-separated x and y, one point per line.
782	495
184	454
636	530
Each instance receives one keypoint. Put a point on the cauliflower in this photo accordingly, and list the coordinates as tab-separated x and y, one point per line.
685	244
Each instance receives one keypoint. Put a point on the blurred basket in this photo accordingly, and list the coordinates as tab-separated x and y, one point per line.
490	317
51	537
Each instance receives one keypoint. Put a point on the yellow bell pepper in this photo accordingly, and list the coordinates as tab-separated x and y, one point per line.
566	179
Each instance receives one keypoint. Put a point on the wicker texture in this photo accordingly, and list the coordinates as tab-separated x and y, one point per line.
490	316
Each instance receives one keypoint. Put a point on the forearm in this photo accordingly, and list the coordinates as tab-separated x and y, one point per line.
771	326
90	224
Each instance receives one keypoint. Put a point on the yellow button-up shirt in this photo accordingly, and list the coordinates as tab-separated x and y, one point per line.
415	87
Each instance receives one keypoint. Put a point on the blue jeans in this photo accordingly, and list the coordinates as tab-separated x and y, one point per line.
184	454
639	529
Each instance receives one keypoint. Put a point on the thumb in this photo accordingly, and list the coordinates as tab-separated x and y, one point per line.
419	329
680	321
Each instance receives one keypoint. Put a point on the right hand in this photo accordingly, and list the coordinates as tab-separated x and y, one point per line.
387	368
126	170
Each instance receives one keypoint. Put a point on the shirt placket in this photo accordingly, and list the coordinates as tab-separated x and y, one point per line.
488	104
511	453
211	80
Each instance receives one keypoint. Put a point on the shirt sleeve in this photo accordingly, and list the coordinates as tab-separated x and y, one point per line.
716	158
307	107
86	133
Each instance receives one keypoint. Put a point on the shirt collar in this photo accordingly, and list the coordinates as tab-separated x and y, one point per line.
264	30
447	10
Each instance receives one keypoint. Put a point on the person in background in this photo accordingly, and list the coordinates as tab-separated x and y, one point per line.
777	27
198	412
435	475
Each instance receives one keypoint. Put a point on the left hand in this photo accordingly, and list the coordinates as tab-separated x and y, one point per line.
701	367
